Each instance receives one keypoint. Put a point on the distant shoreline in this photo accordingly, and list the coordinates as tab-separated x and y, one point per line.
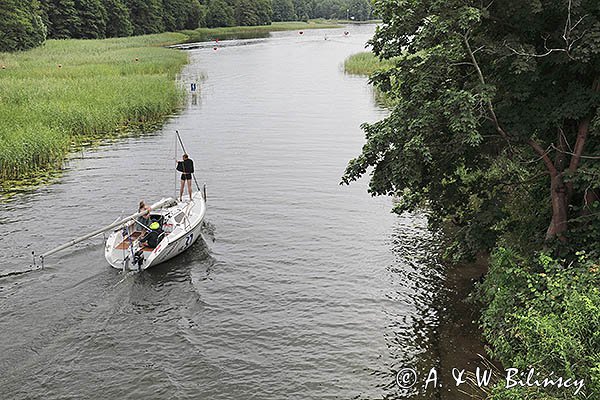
253	32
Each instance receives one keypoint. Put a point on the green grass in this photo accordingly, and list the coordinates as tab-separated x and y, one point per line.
365	63
70	90
251	32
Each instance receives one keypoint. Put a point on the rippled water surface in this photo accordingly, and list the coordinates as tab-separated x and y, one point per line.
302	288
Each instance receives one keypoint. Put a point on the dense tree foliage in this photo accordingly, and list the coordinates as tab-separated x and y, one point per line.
253	12
219	13
25	23
358	10
195	16
496	124
302	10
539	313
90	21
21	25
283	10
117	19
28	22
495	128
60	17
181	14
146	16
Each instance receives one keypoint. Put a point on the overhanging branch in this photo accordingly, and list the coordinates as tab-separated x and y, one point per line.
489	104
544	156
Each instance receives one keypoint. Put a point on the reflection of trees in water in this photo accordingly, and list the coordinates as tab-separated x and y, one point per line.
416	292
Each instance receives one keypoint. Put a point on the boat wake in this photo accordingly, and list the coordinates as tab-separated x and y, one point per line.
15	273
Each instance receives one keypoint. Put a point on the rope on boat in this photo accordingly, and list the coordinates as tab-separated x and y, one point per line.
176	172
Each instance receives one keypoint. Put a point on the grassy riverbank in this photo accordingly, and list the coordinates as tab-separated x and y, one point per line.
68	90
251	32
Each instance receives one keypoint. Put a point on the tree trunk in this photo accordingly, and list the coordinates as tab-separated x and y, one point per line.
583	128
558	225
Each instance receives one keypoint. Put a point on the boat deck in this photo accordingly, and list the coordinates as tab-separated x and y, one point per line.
124	245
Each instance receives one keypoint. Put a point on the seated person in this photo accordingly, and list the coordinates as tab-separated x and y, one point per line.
143	221
153	237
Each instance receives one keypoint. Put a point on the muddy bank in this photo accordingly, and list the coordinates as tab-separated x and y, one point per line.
460	342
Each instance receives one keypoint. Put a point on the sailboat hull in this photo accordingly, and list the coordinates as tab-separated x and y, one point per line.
182	222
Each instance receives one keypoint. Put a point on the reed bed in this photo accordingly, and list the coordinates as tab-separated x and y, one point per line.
251	32
365	63
69	90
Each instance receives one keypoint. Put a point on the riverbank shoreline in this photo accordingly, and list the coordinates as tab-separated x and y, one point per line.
459	340
68	92
366	64
253	32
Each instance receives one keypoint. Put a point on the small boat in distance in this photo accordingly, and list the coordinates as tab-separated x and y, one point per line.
179	223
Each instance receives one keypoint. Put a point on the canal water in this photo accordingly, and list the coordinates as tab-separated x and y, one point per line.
301	288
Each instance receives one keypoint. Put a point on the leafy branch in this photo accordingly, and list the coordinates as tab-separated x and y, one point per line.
567	36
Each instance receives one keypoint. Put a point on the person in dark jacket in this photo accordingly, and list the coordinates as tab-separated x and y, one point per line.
153	237
186	167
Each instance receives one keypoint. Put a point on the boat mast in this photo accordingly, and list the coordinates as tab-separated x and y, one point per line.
185	152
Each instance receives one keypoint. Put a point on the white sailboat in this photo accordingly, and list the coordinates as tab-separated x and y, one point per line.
180	224
177	225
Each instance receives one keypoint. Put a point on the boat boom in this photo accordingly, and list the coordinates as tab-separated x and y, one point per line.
104	229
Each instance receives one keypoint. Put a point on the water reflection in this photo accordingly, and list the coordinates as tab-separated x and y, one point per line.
416	279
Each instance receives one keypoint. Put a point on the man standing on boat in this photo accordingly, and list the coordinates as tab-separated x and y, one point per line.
186	167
